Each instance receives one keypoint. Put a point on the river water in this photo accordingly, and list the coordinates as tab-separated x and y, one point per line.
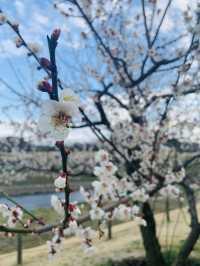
35	201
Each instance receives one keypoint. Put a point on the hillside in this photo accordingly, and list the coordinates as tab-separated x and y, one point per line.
31	168
126	242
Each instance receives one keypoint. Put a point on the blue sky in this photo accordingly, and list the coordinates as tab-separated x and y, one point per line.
37	18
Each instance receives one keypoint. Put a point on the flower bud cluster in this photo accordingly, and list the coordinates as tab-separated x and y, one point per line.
11	214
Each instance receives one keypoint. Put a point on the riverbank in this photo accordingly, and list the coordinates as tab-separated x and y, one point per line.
41	201
32	189
126	242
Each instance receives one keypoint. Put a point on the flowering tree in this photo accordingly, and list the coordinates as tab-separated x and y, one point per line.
142	83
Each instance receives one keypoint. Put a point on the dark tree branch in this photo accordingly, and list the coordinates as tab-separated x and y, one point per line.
116	61
49	227
54	75
39	221
145	24
103	137
161	22
117	100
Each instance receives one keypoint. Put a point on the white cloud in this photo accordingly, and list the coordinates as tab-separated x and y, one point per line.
41	19
83	135
20	7
6	130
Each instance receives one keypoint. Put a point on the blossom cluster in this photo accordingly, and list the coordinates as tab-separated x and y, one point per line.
85	234
13	215
109	187
56	117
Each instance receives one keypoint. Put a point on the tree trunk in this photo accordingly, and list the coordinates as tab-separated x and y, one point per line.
188	246
194	234
109	229
154	256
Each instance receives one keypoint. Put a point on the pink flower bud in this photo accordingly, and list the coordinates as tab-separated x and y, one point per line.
71	207
45	63
67	151
15	26
56	34
45	86
18	42
41	221
59	144
62	174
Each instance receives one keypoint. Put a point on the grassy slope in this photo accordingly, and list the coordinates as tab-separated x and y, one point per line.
126	242
9	244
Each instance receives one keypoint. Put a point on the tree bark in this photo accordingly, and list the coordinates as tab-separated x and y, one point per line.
188	246
154	256
194	234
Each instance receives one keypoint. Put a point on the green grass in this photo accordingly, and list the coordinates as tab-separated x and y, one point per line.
48	215
169	258
171	255
8	244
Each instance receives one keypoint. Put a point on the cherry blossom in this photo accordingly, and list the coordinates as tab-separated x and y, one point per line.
55	119
102	157
57	205
34	47
60	182
2	18
71	229
96	213
12	214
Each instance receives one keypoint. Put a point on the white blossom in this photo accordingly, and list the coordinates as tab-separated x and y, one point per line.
170	191
56	116
86	233
71	229
55	120
106	170
96	213
13	214
4	210
122	213
69	97
60	182
34	47
140	221
57	205
74	210
102	157
135	210
140	195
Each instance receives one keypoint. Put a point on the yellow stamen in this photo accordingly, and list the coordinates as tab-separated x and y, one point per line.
68	98
61	119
